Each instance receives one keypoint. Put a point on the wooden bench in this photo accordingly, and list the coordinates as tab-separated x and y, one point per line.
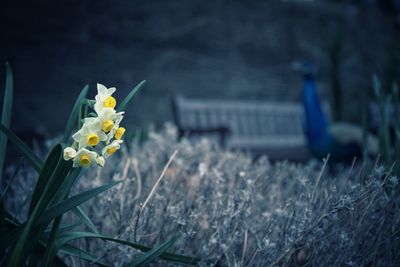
261	128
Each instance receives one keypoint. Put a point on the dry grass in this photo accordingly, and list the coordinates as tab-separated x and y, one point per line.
236	212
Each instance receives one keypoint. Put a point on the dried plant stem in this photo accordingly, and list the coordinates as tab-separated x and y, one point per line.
252	258
244	246
139	179
388	173
351	168
319	176
153	190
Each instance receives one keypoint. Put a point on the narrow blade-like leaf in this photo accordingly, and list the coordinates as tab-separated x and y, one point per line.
23	148
67	237
15	172
129	97
64	227
6	116
44	177
151	255
72	202
53	212
73	117
79	253
50	252
29	237
85	219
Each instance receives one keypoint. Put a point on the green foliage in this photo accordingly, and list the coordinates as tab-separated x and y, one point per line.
73	117
152	254
129	97
42	235
6	116
34	160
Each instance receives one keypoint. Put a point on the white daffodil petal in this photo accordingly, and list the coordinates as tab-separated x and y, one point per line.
111	148
102	95
101	89
85	158
90	134
110	135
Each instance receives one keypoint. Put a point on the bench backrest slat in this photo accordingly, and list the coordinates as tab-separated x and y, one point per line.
249	122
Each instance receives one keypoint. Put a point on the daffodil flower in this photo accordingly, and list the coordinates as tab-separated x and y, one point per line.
107	119
69	153
111	148
104	98
111	134
85	158
101	128
90	134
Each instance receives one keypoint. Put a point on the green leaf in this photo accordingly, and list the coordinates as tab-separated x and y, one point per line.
20	207
15	172
152	254
53	212
50	251
64	227
6	116
29	236
62	193
67	237
3	227
45	175
65	187
129	97
74	251
23	148
85	219
73	117
72	202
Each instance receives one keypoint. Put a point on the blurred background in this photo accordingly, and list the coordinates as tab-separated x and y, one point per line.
200	49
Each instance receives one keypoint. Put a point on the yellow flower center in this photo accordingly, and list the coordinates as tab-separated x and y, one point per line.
92	139
111	150
107	125
84	160
119	133
110	102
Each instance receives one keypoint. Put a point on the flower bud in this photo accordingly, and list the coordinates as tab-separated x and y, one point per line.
100	161
69	153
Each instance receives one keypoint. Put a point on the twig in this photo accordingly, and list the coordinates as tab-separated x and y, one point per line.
376	161
126	168
124	188
153	190
139	179
319	177
252	258
388	173
351	168
244	246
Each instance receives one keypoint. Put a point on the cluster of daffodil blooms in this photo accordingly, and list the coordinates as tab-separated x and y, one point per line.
102	130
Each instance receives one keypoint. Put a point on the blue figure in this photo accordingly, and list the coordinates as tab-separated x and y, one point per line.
343	141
